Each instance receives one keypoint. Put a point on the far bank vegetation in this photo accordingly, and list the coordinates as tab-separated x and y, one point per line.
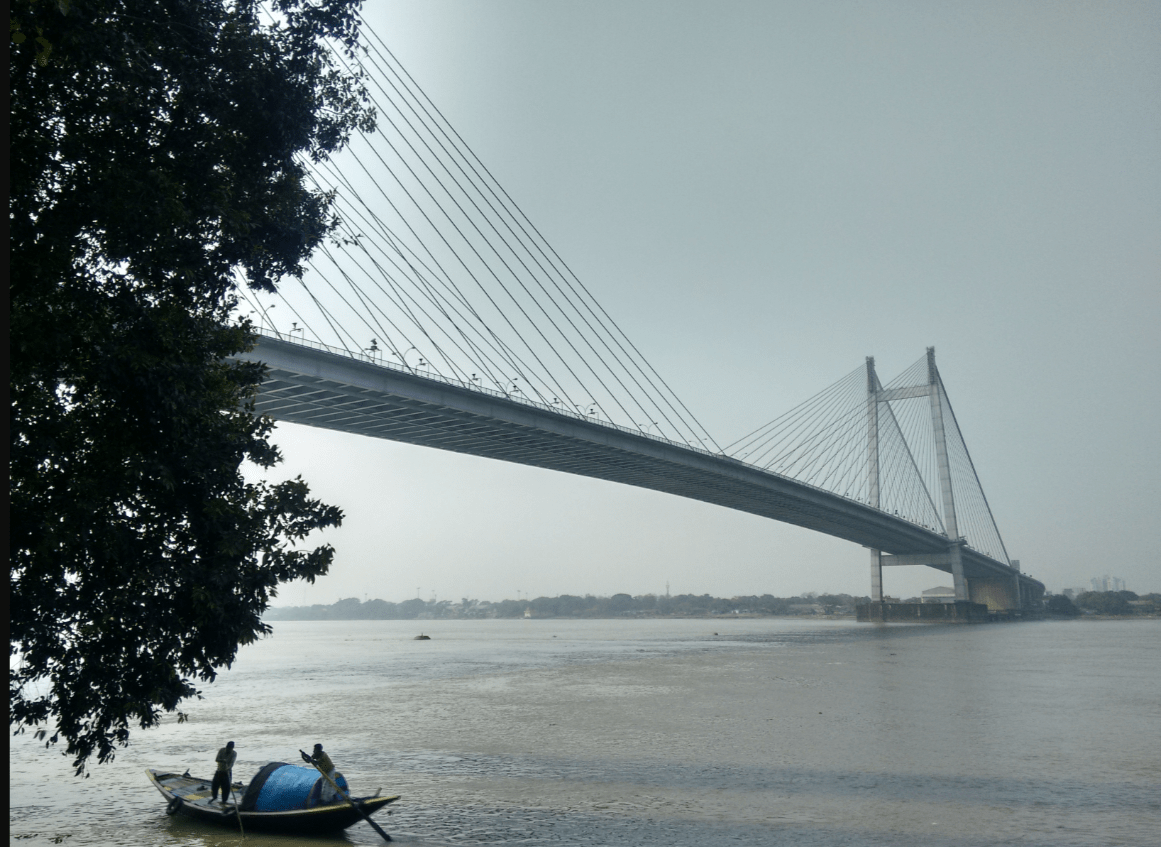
1104	604
571	606
1088	604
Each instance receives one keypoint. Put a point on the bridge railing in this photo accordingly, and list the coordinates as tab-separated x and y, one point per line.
378	359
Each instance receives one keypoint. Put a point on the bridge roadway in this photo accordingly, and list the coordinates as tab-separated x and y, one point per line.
315	386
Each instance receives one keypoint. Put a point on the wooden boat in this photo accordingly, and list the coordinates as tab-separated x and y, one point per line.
190	796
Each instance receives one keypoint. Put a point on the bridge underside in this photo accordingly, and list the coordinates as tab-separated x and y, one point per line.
323	389
998	590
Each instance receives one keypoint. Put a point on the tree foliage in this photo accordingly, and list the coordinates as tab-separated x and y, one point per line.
1106	602
1058	604
156	160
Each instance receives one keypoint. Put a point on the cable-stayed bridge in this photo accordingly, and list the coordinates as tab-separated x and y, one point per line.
366	395
438	315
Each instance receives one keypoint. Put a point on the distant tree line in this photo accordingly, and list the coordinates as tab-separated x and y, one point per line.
572	606
1118	603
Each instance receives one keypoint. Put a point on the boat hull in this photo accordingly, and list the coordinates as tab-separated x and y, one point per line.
190	796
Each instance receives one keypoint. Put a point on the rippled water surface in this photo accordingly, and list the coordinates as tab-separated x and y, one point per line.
685	732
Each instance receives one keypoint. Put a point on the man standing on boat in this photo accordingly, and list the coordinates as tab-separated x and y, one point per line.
225	759
324	763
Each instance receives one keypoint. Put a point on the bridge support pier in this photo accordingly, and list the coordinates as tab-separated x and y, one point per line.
876	576
996	594
1000	592
955	554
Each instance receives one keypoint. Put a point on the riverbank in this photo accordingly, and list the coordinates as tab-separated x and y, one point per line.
572	607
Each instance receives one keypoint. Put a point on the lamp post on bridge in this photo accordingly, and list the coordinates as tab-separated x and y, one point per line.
592	407
403	357
265	318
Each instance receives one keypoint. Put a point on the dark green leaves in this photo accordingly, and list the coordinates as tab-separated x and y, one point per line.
155	156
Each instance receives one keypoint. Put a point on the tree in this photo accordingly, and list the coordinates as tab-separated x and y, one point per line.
411	609
619	604
1106	602
156	158
1059	604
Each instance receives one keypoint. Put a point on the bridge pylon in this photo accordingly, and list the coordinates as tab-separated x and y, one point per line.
996	591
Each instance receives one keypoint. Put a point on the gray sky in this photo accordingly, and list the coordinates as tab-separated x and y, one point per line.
762	194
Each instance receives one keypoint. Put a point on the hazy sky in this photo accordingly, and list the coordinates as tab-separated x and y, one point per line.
762	194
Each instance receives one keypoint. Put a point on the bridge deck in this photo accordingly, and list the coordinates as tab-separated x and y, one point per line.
324	389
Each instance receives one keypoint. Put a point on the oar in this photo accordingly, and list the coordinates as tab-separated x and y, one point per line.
237	811
345	795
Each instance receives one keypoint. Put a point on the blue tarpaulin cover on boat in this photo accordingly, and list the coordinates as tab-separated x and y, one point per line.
279	787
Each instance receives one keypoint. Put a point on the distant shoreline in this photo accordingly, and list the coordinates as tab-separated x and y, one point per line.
1122	605
1141	617
1091	618
726	617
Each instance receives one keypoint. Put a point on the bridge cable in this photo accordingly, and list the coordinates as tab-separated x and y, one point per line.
399	249
523	244
475	252
433	108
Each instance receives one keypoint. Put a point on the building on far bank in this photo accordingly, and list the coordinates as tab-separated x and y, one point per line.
1107	583
943	594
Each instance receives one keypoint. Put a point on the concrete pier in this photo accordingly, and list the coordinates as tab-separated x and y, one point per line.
960	611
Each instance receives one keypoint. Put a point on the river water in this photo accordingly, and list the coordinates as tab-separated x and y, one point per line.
664	732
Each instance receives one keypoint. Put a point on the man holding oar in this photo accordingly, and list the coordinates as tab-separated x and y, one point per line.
326	767
323	762
225	759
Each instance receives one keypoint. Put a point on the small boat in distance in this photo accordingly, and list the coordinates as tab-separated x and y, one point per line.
422	637
280	798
